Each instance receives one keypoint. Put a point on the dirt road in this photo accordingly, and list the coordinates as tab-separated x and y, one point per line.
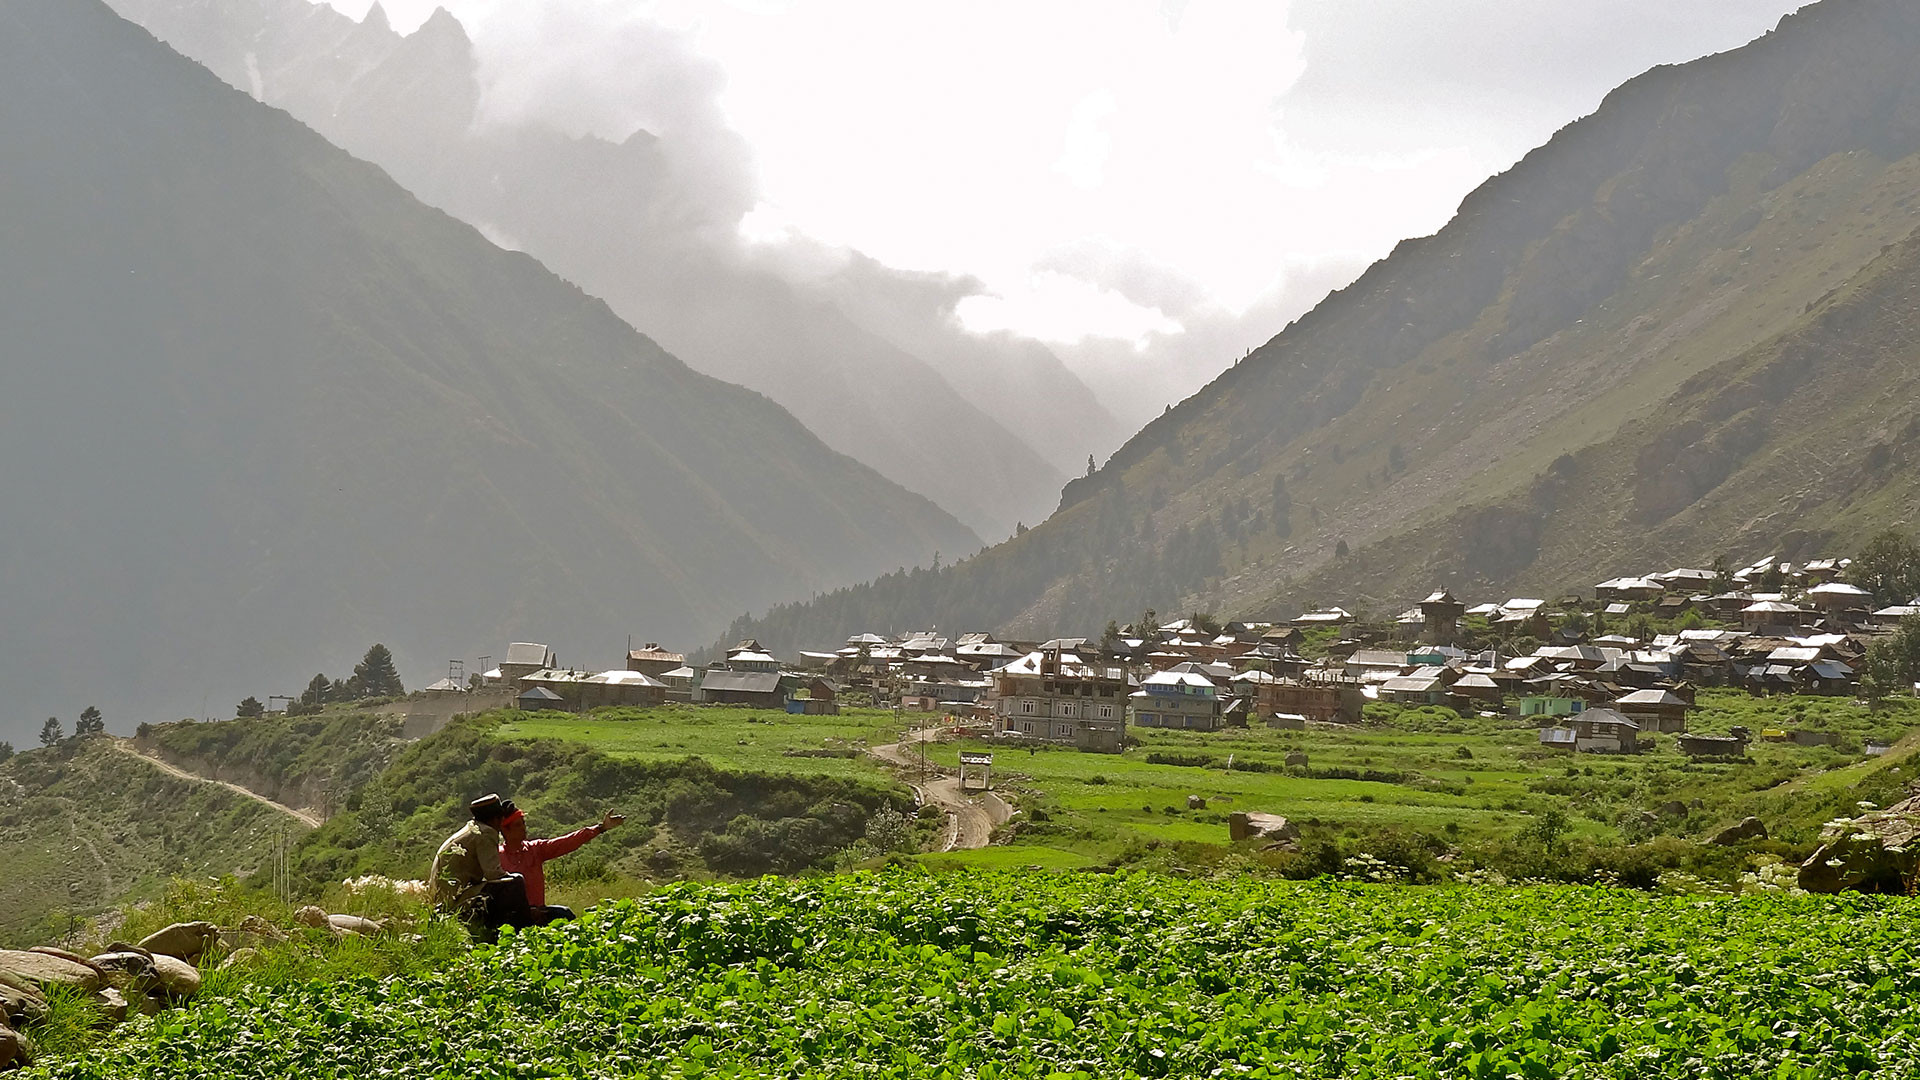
970	818
302	816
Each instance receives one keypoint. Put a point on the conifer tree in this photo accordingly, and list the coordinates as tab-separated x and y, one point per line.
376	675
90	722
50	732
319	691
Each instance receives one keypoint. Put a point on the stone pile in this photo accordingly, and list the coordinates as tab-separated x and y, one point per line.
1879	851
161	970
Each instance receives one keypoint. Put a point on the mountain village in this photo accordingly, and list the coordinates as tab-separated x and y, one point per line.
1614	674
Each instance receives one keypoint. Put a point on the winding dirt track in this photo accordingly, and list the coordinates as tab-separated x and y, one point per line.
301	816
970	819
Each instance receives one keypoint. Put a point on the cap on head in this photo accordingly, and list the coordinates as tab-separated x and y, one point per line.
513	815
490	807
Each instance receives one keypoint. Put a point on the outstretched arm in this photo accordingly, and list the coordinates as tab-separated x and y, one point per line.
562	845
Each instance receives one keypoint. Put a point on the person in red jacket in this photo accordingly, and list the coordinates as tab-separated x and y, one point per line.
528	858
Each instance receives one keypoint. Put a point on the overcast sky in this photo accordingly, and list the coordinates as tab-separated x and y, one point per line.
1113	168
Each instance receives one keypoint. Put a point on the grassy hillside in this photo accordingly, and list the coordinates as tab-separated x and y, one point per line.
85	826
255	385
685	815
304	761
1673	331
88	824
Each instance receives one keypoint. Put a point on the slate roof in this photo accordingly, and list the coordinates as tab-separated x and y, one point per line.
747	682
526	652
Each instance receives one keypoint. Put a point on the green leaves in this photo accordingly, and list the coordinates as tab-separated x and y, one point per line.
1004	976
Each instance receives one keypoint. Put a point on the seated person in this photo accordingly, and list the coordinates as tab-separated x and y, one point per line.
528	858
467	880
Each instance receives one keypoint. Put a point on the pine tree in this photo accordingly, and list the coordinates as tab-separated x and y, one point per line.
318	692
6	751
376	675
250	707
50	732
90	722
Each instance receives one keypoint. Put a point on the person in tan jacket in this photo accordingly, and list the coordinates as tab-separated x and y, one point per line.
467	880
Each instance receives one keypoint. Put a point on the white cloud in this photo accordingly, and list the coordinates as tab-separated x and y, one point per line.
1213	143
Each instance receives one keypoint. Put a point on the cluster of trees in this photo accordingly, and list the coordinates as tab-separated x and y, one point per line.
51	732
375	676
1892	664
1889	568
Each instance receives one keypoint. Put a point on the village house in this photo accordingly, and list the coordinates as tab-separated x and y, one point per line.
1764	615
630	688
1595	731
1732	744
534	698
1440	615
1655	710
1324	617
523	659
814	697
749	656
754	689
1840	601
1183	698
651	659
1380	663
1333	701
1053	696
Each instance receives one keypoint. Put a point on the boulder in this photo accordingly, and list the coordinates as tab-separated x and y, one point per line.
42	969
240	957
1751	828
354	924
49	950
15	1051
253	932
1195	802
112	1005
20	1002
1673	808
127	969
1297	757
1253	826
1875	852
177	977
185	940
340	924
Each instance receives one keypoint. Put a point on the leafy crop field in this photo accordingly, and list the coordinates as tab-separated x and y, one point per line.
986	976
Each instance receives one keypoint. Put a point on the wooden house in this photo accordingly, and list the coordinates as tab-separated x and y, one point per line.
1655	710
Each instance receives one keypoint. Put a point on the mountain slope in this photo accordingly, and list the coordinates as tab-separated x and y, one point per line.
649	224
1611	281
261	408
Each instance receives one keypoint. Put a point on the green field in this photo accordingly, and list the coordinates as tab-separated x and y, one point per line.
1445	779
747	740
1084	976
1464	778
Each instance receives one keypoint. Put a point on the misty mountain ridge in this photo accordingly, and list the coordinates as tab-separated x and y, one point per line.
263	408
1674	331
873	360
